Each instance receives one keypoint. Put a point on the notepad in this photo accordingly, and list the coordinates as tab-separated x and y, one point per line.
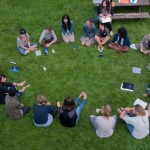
38	52
136	70
141	103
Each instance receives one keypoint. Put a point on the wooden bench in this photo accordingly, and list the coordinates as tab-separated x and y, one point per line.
131	15
138	15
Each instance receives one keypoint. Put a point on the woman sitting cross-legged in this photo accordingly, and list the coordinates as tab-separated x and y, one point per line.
70	112
89	30
43	112
136	120
120	42
104	125
23	43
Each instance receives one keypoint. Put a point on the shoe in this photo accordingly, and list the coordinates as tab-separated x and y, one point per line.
100	49
46	52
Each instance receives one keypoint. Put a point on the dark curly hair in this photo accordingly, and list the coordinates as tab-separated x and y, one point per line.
122	32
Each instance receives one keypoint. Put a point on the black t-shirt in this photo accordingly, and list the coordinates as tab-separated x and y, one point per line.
3	90
68	118
101	33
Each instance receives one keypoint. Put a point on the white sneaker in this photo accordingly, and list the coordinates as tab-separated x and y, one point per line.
111	33
100	49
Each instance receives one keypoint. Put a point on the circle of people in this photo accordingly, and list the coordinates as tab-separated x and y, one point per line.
136	118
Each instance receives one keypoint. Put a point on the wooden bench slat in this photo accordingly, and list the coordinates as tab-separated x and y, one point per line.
131	15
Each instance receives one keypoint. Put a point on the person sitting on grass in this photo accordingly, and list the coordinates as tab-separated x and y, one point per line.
67	29
102	36
145	44
43	112
14	109
136	120
120	42
88	33
105	11
23	43
70	112
4	86
47	38
147	92
104	125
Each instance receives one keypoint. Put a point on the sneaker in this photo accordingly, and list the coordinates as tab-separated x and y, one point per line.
46	52
100	49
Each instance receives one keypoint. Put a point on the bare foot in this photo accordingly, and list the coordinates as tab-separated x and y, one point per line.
25	87
22	83
119	111
145	95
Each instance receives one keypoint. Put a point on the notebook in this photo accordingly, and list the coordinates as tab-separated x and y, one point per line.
136	70
140	102
127	86
97	1
38	52
108	19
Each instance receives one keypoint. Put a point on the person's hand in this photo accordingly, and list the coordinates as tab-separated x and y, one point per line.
141	49
84	95
86	38
58	104
22	105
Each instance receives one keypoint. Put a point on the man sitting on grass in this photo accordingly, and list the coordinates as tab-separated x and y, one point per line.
102	36
14	109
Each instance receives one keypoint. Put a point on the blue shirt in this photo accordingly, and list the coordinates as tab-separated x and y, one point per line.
64	29
41	113
89	32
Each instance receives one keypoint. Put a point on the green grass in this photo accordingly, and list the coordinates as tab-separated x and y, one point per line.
68	73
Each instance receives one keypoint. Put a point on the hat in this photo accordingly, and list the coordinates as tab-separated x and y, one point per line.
22	31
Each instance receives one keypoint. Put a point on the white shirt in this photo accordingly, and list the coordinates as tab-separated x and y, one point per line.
105	126
140	124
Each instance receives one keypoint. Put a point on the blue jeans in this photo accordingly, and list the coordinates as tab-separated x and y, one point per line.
22	51
79	108
18	94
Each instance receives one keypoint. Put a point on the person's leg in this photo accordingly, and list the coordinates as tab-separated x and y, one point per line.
55	110
22	51
72	37
123	49
113	46
49	121
130	128
65	38
90	41
79	108
18	94
92	121
43	43
25	109
33	44
96	19
82	39
108	25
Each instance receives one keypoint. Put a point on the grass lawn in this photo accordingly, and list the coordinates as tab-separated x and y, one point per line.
68	72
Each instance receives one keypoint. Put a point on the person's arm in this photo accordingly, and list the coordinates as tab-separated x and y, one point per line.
54	37
106	39
142	44
122	114
115	38
42	36
71	27
21	45
126	42
28	38
63	29
84	30
93	30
